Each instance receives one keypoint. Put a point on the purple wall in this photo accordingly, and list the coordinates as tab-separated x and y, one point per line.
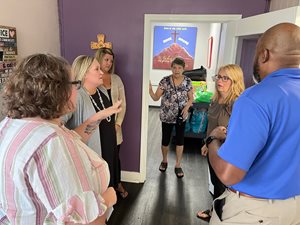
123	24
247	55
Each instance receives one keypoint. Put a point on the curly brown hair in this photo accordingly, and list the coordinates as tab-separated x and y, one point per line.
39	86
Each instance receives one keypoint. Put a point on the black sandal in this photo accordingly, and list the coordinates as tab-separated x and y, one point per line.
123	194
163	166
121	191
179	172
205	215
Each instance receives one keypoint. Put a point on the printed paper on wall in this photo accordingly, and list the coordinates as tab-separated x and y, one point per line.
8	52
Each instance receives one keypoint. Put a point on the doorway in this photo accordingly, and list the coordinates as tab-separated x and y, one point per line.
150	21
233	27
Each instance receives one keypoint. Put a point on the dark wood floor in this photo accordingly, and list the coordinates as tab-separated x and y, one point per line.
164	199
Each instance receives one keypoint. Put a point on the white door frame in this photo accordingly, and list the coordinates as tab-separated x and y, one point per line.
251	26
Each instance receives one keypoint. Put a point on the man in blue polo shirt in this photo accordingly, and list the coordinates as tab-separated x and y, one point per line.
260	158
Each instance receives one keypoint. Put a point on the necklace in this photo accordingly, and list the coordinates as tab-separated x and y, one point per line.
108	119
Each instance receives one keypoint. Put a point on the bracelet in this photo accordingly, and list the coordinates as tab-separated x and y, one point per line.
209	139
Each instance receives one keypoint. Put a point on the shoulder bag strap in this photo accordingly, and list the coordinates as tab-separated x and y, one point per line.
176	92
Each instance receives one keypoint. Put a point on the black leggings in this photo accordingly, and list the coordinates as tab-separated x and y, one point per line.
219	187
167	129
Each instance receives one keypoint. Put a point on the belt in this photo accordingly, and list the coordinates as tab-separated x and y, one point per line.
240	193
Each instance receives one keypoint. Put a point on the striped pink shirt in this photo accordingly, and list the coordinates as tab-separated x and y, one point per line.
48	176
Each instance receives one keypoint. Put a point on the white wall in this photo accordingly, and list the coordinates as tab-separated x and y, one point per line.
36	22
215	32
37	26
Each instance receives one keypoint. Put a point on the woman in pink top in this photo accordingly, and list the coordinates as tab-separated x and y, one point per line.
48	175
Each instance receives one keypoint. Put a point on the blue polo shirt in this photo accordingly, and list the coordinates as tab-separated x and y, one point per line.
263	137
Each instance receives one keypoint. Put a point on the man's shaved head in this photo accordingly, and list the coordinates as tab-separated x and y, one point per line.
278	47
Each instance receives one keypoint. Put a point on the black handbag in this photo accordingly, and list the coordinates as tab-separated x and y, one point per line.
179	119
196	74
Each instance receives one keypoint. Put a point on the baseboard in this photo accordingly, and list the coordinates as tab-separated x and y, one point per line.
131	177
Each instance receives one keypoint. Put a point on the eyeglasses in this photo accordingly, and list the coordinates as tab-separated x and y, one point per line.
218	77
77	83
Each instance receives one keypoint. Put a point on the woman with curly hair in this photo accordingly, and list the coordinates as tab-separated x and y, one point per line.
176	96
48	175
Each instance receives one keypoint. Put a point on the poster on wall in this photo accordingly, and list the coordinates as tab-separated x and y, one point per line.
8	52
173	41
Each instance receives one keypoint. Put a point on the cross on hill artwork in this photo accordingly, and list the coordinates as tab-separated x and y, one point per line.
170	42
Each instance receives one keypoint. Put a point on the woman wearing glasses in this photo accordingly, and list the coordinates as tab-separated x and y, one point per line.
229	84
93	101
48	175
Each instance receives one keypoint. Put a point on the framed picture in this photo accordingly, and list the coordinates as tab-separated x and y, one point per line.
170	42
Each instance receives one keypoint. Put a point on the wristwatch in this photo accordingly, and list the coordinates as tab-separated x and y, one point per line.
209	139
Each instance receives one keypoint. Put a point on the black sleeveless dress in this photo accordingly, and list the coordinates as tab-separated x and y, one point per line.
108	138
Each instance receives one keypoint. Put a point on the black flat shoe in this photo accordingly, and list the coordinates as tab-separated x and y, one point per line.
123	193
179	172
163	166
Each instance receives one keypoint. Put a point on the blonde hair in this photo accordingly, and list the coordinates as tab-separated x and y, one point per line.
81	65
235	73
101	52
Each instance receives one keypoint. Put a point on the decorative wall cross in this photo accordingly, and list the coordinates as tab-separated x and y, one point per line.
101	43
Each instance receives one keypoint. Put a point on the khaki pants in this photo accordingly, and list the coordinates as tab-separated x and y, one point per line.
239	210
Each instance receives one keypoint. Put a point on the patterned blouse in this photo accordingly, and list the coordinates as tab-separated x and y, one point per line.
172	96
48	176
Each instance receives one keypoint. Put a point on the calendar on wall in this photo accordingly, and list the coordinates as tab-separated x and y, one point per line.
8	52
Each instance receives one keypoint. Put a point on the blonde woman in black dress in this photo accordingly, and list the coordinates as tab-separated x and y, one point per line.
92	99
